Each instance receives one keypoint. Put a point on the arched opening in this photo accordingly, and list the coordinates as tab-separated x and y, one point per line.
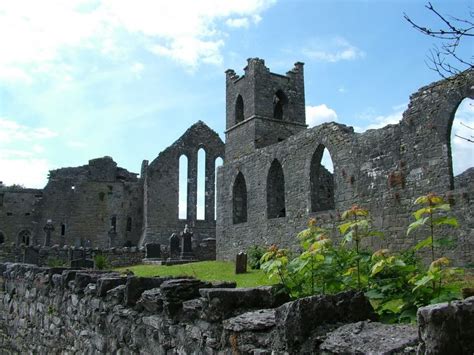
201	185
2	238
239	199
113	224
183	187
63	229
276	191
239	109
217	164
461	142
279	105
321	180
24	237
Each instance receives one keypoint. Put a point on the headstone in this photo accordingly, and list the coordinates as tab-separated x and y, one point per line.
112	237
174	246
241	263
77	254
31	256
187	247
152	251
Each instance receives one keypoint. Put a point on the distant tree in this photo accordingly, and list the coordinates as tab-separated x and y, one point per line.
444	58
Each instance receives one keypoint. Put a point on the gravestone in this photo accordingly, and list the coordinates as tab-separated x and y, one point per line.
187	247
31	256
241	263
152	251
174	246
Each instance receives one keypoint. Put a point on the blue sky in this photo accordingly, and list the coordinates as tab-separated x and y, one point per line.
81	79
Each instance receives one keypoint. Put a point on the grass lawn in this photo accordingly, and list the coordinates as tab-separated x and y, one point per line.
204	270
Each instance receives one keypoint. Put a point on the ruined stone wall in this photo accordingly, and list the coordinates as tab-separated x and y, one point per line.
18	212
57	310
383	170
161	178
83	201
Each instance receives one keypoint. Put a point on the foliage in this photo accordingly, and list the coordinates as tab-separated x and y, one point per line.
204	270
396	284
56	262
101	262
432	215
255	253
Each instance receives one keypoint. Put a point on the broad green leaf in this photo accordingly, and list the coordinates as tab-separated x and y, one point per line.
395	305
450	221
418	223
374	294
378	266
423	281
423	244
443	207
419	213
344	227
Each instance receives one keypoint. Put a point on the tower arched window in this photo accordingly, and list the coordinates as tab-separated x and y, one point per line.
239	109
280	102
24	237
276	191
239	200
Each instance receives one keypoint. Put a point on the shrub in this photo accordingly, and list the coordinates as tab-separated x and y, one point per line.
101	262
255	253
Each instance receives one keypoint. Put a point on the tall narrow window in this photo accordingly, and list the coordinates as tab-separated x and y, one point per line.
276	191
201	185
239	199
129	224
2	238
1	200
183	187
460	146
218	163
113	223
239	109
63	229
321	180
279	105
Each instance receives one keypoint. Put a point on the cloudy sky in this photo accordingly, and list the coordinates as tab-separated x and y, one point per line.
81	79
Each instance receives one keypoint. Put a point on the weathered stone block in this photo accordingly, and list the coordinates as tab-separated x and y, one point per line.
447	328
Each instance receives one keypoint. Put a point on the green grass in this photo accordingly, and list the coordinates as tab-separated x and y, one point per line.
204	270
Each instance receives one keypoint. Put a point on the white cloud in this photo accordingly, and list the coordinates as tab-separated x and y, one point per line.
35	34
19	150
381	120
242	22
332	51
11	131
316	115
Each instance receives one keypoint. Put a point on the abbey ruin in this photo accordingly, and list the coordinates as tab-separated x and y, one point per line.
271	182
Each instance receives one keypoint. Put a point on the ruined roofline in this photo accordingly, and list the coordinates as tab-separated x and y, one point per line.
189	132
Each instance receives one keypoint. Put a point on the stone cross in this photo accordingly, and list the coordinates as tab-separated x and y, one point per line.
48	229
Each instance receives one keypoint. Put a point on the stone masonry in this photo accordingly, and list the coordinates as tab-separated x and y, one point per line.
272	183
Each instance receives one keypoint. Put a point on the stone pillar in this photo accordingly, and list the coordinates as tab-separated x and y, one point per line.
48	229
210	187
241	263
192	188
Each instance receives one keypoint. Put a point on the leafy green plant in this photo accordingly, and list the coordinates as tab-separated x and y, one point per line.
432	215
255	253
101	262
358	226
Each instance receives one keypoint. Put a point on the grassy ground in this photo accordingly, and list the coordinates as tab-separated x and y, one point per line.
204	270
